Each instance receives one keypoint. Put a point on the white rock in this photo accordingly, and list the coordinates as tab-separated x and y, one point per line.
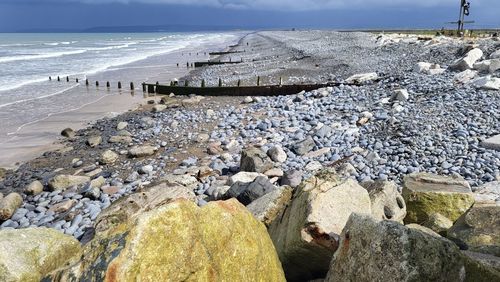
313	166
277	154
465	76
363	77
122	125
244	177
487	83
248	100
423	67
468	61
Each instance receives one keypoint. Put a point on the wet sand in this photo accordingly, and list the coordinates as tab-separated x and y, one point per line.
23	139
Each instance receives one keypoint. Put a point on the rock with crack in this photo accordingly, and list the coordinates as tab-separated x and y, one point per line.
425	194
306	235
269	206
372	250
221	241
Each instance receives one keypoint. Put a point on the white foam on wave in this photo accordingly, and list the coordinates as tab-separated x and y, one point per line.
40	56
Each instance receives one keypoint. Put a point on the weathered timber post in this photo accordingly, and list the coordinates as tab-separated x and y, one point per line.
119	85
108	85
187	64
50	78
132	86
203	83
77	80
58	78
157	87
220	82
177	64
186	83
97	83
258	80
239	82
67	78
86	82
281	81
151	88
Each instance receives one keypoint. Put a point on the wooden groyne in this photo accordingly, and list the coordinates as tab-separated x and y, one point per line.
212	63
224	53
268	90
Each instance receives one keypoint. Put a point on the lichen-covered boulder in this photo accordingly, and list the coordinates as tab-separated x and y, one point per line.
269	206
306	234
478	230
219	242
426	194
481	267
372	250
178	241
112	227
387	202
63	182
30	254
438	223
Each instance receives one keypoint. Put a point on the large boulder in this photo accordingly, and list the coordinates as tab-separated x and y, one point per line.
32	253
112	226
269	206
63	182
251	191
493	142
255	160
478	230
306	235
481	267
178	241
387	203
243	176
425	194
488	193
34	188
372	250
467	62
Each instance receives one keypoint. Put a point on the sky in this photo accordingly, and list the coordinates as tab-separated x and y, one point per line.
23	15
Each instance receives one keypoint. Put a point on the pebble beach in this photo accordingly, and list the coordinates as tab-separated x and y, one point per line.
400	108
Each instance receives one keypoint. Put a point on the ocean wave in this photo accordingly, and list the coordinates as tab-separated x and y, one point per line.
40	56
39	97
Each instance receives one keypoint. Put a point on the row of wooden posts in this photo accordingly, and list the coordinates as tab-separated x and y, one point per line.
203	84
108	84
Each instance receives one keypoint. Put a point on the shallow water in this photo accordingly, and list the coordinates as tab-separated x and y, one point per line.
28	97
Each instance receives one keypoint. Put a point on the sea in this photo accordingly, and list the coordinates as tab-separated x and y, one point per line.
28	96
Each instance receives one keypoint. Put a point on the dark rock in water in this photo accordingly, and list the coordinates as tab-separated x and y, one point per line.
248	192
255	160
68	133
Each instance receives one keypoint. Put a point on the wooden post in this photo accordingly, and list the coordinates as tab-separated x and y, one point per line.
87	82
107	84
132	86
50	78
58	78
143	87
220	82
67	78
203	83
230	59
186	83
97	83
281	81
258	80
119	85
239	82
77	80
187	64
177	64
192	65
156	88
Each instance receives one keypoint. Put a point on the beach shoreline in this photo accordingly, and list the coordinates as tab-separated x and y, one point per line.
34	138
